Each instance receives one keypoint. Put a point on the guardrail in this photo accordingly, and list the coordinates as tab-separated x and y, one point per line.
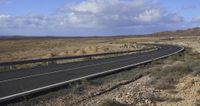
10	63
90	76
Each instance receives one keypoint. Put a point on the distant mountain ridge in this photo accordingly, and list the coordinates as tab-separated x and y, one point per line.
187	32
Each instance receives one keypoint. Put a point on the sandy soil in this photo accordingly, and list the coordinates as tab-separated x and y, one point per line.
137	93
133	94
45	48
192	42
186	90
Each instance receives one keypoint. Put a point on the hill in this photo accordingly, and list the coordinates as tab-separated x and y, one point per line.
187	32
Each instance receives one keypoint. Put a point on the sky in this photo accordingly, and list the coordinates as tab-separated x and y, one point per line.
96	17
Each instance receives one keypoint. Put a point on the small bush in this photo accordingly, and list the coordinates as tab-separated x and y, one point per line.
174	99
198	91
167	77
162	84
153	97
197	102
158	62
195	66
188	55
172	91
79	87
176	57
4	68
109	102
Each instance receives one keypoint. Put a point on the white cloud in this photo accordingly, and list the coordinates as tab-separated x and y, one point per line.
7	21
189	7
196	19
173	18
94	14
3	16
5	1
149	15
195	22
117	13
4	20
85	6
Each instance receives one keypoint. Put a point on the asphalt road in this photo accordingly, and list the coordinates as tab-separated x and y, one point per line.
26	81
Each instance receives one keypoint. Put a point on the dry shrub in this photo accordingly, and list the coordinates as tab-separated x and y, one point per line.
72	52
167	77
80	52
79	87
63	53
179	65
195	66
109	102
197	103
152	96
50	55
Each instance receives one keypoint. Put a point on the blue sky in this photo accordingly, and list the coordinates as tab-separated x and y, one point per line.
96	17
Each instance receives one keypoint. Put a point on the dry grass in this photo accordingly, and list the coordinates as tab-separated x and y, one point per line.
80	90
21	49
167	76
197	103
187	60
109	102
45	48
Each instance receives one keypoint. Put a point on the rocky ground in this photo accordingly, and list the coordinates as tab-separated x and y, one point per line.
171	82
134	93
186	92
192	42
141	93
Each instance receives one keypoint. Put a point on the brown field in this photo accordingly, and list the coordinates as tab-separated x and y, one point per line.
22	48
44	48
173	81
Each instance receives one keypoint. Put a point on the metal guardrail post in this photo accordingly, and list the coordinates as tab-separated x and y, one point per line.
11	67
54	60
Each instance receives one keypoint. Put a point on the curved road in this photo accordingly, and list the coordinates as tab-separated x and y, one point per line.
22	82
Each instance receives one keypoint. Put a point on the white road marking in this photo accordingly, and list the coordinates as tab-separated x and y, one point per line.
36	75
92	75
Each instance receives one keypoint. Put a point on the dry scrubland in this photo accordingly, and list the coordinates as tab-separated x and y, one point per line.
173	81
191	41
45	48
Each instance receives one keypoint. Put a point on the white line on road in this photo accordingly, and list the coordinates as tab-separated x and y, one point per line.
88	76
58	71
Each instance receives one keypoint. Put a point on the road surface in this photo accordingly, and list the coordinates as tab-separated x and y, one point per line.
25	81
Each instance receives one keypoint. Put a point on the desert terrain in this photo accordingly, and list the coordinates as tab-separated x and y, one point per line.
22	49
173	81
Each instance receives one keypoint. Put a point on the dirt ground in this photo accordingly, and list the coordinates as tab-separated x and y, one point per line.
192	42
140	92
132	93
45	48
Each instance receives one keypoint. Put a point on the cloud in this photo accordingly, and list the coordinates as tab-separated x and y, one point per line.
173	18
5	1
196	19
195	22
118	13
148	15
7	21
189	7
98	15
